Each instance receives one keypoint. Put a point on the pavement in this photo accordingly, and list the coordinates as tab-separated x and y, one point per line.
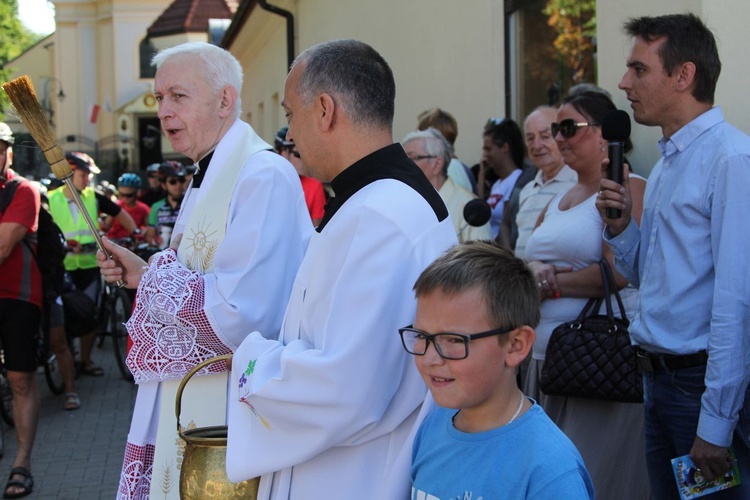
78	454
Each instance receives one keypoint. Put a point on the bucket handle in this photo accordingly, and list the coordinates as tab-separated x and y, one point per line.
184	381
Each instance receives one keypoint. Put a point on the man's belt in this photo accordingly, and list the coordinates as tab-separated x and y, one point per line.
654	362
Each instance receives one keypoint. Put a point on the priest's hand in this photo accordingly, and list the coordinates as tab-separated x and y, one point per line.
124	265
176	242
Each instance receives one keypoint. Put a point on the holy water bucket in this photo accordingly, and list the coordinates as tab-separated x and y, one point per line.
203	473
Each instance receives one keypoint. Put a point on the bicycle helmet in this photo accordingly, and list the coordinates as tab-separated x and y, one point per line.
171	168
279	140
6	134
153	168
130	180
82	161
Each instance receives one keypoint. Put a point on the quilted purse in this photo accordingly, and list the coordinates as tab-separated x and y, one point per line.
591	356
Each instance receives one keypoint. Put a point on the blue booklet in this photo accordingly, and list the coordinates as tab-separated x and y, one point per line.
690	481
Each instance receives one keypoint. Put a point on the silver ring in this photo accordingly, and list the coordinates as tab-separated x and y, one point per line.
539	284
545	282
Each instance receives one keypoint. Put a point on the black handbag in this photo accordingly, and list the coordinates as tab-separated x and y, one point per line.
591	357
79	313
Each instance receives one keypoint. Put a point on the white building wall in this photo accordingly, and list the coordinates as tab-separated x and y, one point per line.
96	45
442	52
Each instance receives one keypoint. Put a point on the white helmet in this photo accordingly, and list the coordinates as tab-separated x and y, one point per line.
6	134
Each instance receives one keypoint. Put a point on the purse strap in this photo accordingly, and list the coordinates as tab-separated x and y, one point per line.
610	288
594	304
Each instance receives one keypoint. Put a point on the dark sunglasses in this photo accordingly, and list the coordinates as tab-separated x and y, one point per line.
568	127
295	153
174	181
127	195
153	176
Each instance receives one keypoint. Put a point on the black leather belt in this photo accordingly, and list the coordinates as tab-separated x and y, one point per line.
654	362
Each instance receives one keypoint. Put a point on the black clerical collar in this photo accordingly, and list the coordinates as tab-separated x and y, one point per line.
389	162
202	167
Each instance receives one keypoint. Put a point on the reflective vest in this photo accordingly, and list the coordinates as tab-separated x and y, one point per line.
78	231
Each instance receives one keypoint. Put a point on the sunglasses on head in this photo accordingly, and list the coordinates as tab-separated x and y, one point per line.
495	121
568	127
172	181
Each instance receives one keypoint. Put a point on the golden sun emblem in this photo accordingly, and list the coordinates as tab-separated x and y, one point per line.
201	246
200	238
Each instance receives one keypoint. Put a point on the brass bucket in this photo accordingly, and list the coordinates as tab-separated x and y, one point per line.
203	473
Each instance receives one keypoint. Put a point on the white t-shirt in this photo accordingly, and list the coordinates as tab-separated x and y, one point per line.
499	196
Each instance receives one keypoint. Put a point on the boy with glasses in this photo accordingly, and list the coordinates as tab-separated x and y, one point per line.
487	440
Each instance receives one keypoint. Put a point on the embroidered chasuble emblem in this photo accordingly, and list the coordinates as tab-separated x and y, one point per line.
201	246
243	397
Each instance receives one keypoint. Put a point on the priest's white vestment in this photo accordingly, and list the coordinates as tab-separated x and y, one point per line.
187	311
329	410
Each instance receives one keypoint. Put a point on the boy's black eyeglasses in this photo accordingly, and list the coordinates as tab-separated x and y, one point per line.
174	180
448	345
568	127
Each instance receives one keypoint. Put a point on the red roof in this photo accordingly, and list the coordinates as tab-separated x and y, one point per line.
184	16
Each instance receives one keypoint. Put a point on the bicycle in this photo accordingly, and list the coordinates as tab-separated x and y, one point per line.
116	308
46	358
52	375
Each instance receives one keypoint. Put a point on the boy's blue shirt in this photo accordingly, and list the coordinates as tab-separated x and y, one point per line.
528	458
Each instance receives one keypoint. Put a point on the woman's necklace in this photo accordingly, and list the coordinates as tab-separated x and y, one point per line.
518	410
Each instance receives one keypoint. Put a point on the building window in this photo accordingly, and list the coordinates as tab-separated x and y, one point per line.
147	52
550	46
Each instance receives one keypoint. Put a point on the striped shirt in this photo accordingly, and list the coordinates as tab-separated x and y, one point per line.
534	198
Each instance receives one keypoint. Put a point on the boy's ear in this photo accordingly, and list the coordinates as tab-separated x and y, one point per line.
519	345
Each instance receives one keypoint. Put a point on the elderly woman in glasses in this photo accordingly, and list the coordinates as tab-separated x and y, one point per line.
563	252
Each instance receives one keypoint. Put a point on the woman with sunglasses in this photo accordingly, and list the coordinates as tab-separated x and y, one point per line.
563	252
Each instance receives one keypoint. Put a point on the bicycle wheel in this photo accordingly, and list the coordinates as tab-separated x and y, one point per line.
102	313
6	401
52	374
120	313
2	440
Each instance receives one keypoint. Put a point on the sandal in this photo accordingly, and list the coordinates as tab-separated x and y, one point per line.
72	401
26	484
90	369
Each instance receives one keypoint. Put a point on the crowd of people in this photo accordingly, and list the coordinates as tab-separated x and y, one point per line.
305	261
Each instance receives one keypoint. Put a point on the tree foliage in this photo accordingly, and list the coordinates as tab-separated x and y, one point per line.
15	38
575	22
